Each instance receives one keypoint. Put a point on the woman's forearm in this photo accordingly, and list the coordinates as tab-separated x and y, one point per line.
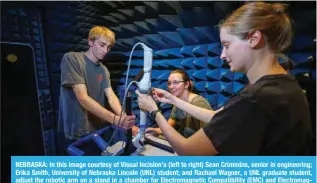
202	114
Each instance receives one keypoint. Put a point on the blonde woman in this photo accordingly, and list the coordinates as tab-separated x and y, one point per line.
271	115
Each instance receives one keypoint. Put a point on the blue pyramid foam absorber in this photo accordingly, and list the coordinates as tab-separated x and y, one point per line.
112	19
301	42
161	64
214	74
238	76
188	18
214	48
222	100
118	16
155	23
153	5
116	47
200	86
163	85
188	50
226	87
299	58
189	36
190	73
64	25
119	43
175	63
129	42
281	60
223	72
163	53
299	71
43	82
128	12
156	73
167	114
157	40
143	25
202	94
36	39
237	87
155	64
130	27
122	80
215	62
207	32
188	63
172	19
135	54
55	46
165	106
213	87
141	9
138	63
142	39
110	3
201	50
176	52
156	84
37	46
164	76
200	74
202	13
173	39
212	99
226	74
133	72
200	62
145	41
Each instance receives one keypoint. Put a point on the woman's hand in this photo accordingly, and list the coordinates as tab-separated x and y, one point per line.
162	96
158	131
146	103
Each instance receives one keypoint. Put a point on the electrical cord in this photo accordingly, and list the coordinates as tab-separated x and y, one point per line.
120	124
123	109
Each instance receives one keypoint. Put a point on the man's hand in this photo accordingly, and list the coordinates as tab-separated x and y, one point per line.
135	130
125	122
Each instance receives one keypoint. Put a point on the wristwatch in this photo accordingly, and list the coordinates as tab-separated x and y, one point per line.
153	114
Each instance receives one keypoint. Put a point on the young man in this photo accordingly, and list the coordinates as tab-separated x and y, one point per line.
85	82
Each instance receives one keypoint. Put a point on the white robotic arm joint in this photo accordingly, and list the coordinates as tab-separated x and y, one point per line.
144	87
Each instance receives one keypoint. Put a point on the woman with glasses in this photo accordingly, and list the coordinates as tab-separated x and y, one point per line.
270	116
180	85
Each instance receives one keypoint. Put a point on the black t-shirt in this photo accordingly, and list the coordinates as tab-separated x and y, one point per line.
269	117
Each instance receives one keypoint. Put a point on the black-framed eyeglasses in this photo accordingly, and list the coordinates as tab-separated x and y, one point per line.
169	83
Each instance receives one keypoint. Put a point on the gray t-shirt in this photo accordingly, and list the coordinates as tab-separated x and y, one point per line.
76	68
185	123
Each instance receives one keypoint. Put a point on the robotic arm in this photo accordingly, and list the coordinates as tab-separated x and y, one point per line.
144	87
